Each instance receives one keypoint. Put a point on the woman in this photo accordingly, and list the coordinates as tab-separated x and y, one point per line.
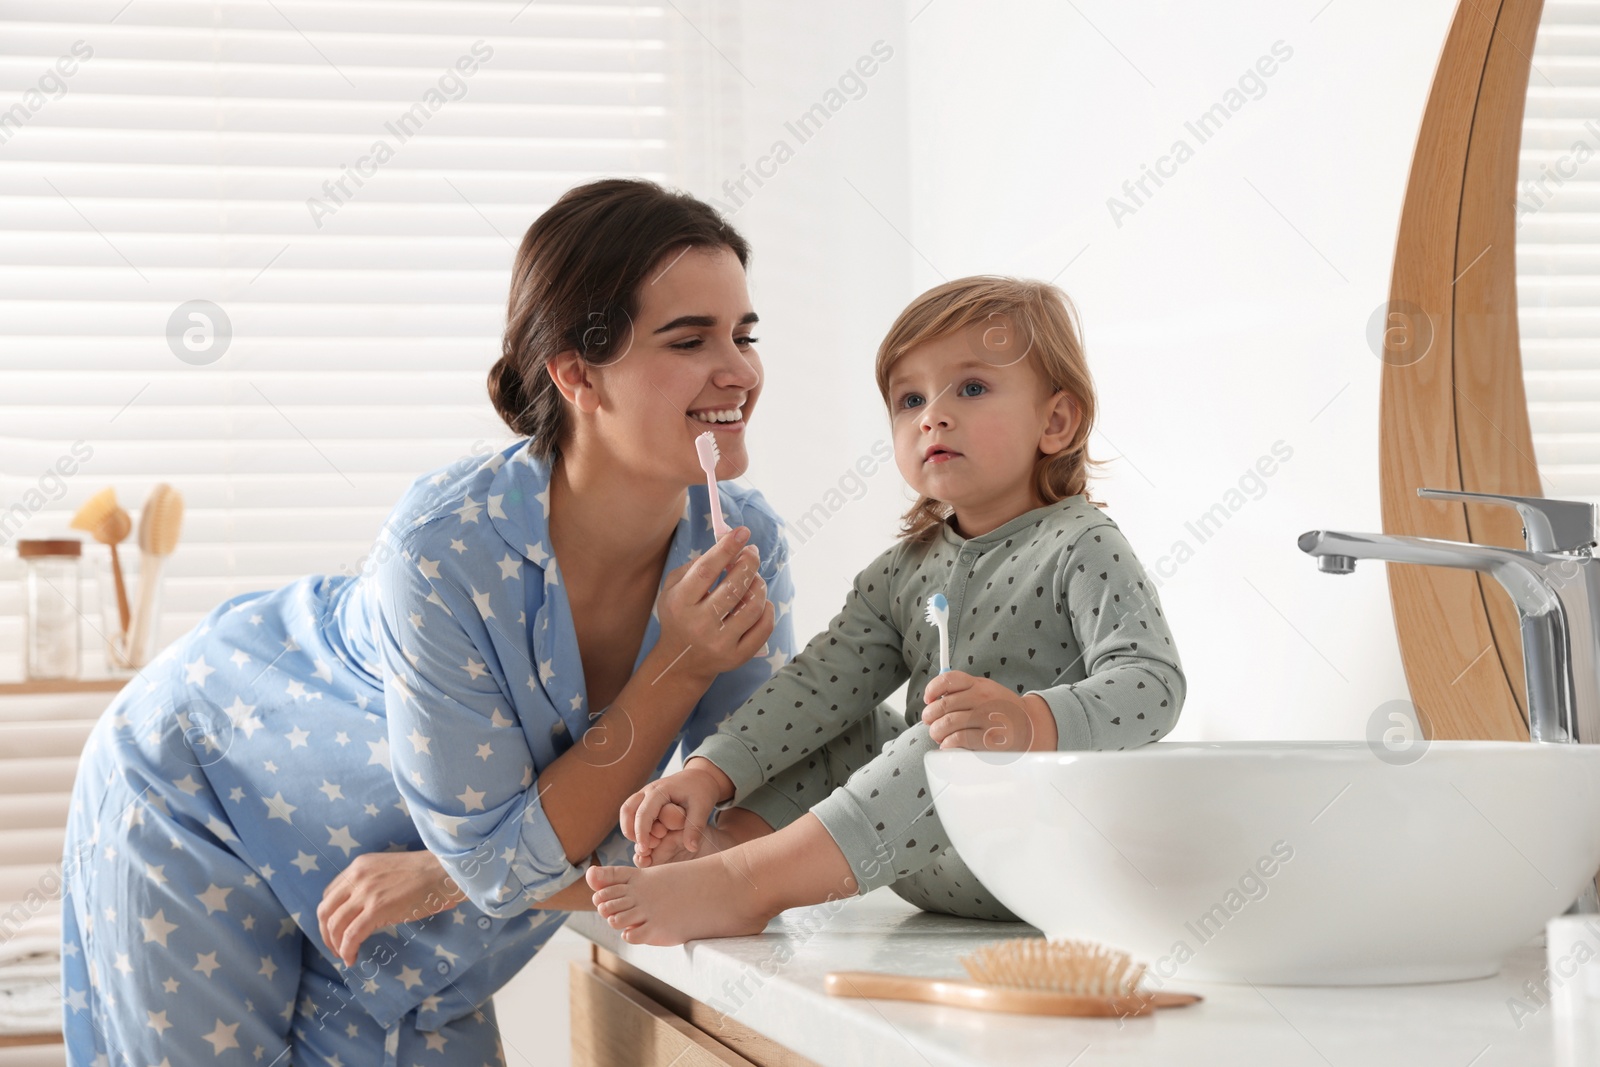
274	827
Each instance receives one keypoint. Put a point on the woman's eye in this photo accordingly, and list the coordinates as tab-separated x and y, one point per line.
692	343
979	386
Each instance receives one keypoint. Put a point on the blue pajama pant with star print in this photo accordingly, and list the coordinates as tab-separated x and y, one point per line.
176	950
149	978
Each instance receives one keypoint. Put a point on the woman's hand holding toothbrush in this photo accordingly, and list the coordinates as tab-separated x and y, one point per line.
964	711
708	631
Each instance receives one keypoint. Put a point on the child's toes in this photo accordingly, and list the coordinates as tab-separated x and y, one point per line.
613	909
601	877
609	894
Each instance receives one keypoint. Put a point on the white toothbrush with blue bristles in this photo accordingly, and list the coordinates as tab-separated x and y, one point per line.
705	446
938	612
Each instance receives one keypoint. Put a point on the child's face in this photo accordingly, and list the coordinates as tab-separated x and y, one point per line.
971	414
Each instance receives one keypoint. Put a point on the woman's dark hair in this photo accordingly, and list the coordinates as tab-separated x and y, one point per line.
575	286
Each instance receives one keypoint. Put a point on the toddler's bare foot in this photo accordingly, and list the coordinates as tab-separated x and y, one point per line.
706	896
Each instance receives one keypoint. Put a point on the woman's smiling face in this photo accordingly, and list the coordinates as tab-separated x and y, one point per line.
689	366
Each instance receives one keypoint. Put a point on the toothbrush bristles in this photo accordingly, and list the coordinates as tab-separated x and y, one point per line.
706	446
937	610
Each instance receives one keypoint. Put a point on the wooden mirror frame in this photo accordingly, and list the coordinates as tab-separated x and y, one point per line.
1452	410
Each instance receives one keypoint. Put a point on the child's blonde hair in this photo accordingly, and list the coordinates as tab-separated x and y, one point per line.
1047	321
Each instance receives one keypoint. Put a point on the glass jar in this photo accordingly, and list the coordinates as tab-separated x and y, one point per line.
52	603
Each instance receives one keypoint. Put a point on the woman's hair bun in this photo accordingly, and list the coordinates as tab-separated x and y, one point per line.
508	397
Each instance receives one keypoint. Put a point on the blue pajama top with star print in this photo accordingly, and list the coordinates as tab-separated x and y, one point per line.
478	637
292	730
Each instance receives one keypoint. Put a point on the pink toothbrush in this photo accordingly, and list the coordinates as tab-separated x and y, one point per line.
705	447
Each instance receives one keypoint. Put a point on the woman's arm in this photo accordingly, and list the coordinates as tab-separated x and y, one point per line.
576	897
703	633
467	771
381	889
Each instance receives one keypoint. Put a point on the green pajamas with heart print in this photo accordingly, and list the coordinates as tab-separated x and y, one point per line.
1053	602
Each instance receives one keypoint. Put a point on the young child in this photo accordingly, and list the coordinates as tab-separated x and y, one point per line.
1057	642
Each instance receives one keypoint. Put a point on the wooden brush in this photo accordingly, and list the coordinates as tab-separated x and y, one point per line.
1025	976
106	522
159	524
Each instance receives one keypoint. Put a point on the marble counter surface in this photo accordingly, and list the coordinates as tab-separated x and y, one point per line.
772	983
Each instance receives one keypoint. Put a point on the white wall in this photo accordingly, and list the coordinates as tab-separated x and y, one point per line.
1225	314
828	273
534	1009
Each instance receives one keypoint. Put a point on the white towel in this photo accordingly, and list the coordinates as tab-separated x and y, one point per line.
30	973
38	935
30	1008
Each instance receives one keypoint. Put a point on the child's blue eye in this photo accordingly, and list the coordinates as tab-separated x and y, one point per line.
910	400
974	385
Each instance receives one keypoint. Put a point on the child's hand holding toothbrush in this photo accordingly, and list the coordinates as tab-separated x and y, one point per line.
965	711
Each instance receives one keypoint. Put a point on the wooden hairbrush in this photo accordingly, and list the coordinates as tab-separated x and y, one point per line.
1025	976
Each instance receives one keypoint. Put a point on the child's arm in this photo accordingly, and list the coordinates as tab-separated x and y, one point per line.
1128	686
839	676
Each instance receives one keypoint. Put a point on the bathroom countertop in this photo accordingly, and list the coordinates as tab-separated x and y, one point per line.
772	983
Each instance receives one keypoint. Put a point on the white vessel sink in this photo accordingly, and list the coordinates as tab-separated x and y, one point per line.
1289	863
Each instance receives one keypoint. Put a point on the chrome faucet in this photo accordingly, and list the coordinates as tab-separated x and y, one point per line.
1555	585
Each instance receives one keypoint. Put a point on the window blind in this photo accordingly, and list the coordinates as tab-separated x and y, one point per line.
260	251
1558	250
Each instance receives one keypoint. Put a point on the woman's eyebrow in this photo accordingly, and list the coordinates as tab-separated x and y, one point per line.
704	320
